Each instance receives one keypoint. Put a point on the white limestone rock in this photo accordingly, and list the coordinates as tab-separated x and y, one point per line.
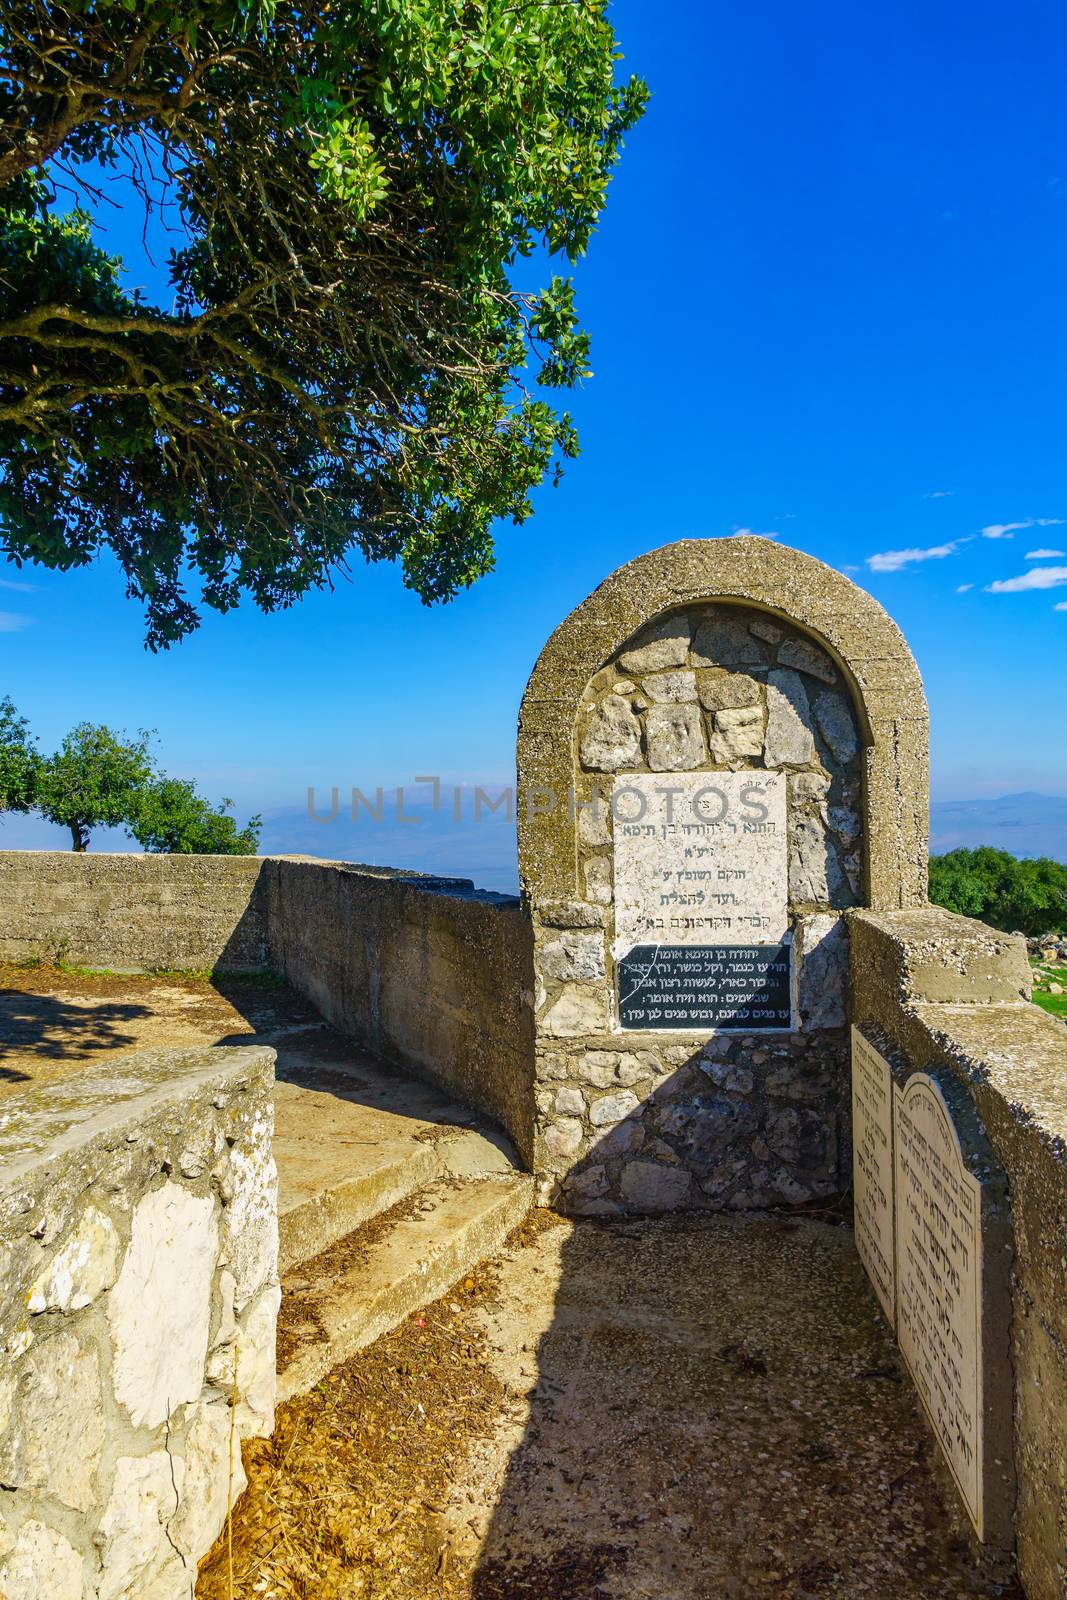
570	1102
821	966
81	1269
214	1479
609	1109
806	657
54	1431
611	738
738	736
663	644
573	955
160	1307
790	741
576	1011
563	1138
674	738
598	880
648	1186
136	1555
250	1220
727	691
723	640
40	1564
671	688
837	725
594	821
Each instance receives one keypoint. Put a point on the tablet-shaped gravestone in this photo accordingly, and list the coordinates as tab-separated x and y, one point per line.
953	1247
872	1168
702	901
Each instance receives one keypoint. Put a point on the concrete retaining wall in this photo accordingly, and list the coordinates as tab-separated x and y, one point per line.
138	1305
133	912
428	972
950	992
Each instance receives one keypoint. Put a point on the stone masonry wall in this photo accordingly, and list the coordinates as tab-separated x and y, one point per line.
652	1121
948	992
132	912
138	1305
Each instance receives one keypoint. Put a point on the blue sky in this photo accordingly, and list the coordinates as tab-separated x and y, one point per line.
827	302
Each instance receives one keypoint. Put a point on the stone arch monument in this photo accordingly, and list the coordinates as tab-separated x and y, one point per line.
720	751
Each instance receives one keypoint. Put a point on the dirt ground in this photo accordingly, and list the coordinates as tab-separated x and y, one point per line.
54	1023
699	1409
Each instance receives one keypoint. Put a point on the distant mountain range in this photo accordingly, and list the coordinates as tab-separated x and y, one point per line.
1027	824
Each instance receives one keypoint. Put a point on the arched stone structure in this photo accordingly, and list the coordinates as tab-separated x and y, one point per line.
742	662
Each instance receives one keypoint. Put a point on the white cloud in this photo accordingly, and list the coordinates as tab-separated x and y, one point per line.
1044	555
961	588
939	494
1036	578
1061	605
894	560
1005	530
754	533
23	588
12	622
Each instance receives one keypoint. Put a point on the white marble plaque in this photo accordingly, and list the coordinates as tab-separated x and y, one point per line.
872	1168
700	859
939	1278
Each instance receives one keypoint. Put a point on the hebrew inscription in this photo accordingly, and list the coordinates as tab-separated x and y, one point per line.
872	1168
939	1277
701	901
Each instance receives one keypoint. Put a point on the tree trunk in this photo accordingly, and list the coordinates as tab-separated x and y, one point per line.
79	834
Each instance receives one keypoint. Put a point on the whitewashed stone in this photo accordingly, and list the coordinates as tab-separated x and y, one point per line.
808	788
598	880
727	691
41	1565
573	955
845	823
648	1186
611	738
821	966
214	1479
674	738
81	1269
790	741
738	735
837	725
135	1553
609	1109
253	1343
250	1220
806	657
725	641
671	688
160	1307
664	644
563	1138
575	1012
729	1075
58	1398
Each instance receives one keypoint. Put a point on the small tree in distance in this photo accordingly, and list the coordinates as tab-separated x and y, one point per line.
99	778
20	761
93	780
170	817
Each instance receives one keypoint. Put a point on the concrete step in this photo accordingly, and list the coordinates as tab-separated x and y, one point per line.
352	1139
368	1282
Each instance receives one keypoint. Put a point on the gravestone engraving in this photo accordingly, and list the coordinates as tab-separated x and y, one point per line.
939	1249
872	1168
701	901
